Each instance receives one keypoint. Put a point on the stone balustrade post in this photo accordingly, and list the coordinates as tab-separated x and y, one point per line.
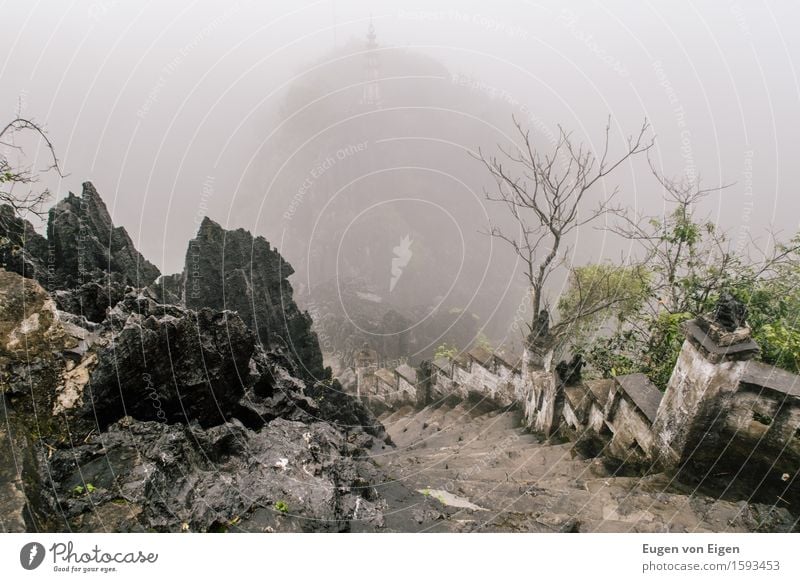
707	373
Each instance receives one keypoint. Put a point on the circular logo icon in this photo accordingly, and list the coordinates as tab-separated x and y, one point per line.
31	555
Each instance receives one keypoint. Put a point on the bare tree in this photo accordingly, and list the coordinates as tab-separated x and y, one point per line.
546	195
16	182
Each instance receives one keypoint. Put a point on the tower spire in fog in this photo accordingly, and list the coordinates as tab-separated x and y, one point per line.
371	95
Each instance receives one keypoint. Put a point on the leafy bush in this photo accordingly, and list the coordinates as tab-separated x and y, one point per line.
780	345
602	294
653	352
445	351
774	307
689	263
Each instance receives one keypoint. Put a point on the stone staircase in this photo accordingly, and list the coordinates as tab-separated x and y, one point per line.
468	455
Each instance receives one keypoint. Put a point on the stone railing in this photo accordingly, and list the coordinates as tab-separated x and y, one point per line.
725	413
722	411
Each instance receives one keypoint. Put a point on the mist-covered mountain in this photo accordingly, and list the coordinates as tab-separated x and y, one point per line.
350	194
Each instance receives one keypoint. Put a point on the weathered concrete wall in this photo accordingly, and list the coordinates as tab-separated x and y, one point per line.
544	406
442	384
494	379
726	415
479	375
758	438
630	410
487	376
760	414
720	409
407	392
462	378
772	396
631	438
698	393
482	382
382	392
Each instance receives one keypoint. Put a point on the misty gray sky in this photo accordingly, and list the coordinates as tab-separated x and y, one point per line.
167	106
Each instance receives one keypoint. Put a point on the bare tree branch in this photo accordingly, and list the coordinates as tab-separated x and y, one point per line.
545	193
16	182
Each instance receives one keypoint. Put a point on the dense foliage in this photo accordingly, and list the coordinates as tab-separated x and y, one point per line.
686	264
774	304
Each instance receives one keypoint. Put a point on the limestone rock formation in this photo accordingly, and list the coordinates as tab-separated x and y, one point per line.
235	271
127	410
169	288
164	418
22	249
85	259
170	362
93	298
85	244
33	344
151	476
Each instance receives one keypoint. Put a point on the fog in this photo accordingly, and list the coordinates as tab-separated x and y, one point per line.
177	110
